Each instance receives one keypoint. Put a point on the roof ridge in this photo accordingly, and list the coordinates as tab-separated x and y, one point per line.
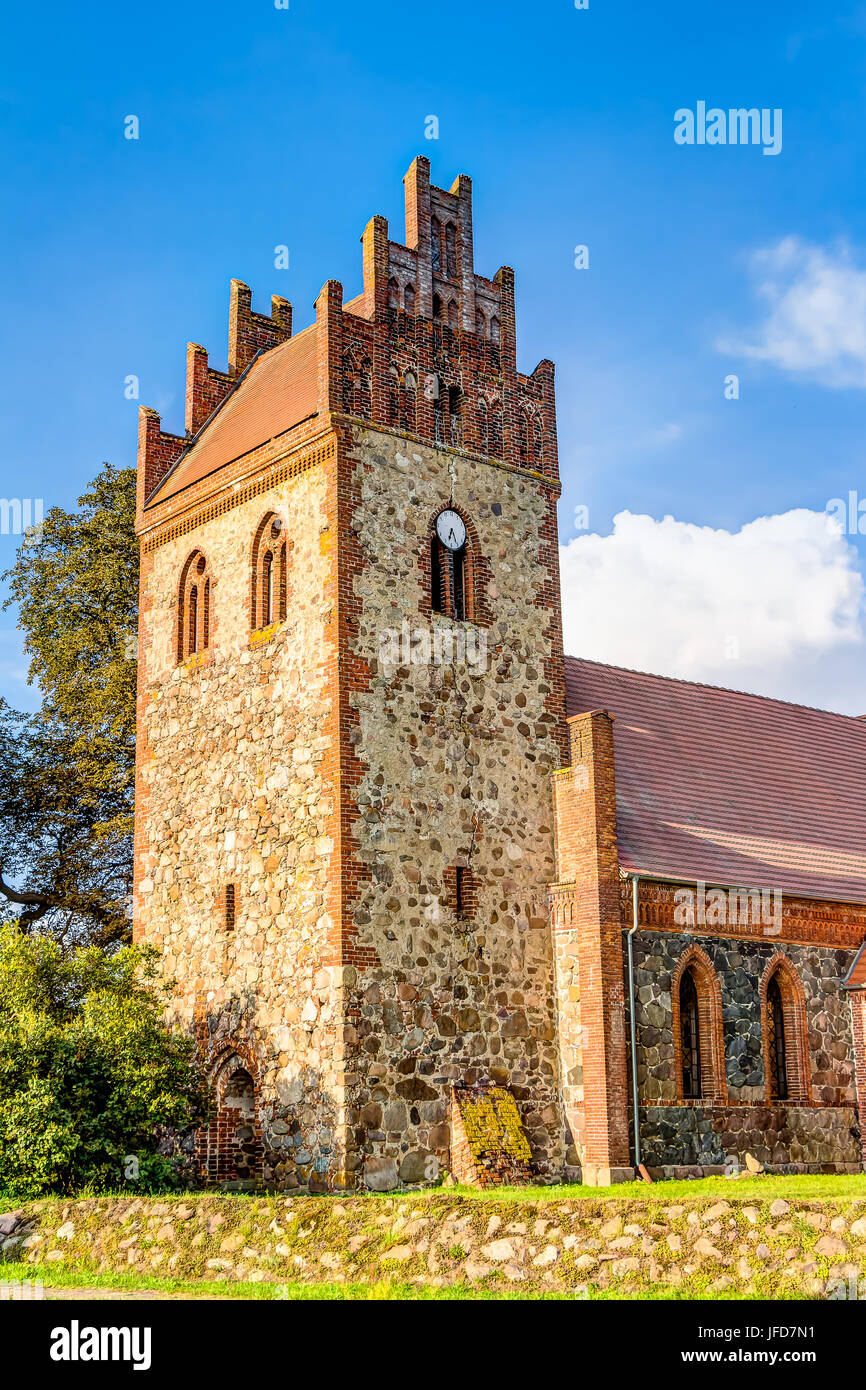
723	689
301	347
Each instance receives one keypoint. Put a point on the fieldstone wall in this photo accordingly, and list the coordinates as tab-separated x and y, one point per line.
688	1133
752	1246
351	986
456	760
785	1138
233	790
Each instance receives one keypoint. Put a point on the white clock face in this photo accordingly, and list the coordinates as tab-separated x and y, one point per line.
451	530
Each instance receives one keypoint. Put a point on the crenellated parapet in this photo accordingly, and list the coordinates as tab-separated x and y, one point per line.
207	387
250	332
157	451
424	310
428	349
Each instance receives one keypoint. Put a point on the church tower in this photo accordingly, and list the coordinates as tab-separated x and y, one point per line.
351	704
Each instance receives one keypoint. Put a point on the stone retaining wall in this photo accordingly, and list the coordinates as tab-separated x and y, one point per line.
772	1248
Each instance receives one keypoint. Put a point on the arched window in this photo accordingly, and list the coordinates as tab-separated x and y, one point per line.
786	1054
482	426
480	322
409	299
435	244
230	1147
407	401
239	1100
699	1049
495	432
450	250
450	579
192	622
193	608
268	587
690	1034
452	315
269	580
458	582
393	294
777	1079
437	308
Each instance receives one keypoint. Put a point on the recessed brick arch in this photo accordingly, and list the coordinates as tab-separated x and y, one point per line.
711	1039
402	395
523	436
230	1146
495	427
279	548
477	568
193	628
797	1071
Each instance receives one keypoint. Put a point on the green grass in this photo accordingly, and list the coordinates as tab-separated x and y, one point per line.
374	1291
801	1185
379	1222
766	1187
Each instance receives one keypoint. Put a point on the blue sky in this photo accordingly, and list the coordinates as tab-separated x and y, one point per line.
261	127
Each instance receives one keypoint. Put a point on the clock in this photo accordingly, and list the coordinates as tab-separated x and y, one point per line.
451	530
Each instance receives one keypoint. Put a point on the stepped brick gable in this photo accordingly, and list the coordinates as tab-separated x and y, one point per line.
413	872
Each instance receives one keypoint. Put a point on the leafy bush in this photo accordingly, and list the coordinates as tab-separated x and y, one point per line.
88	1068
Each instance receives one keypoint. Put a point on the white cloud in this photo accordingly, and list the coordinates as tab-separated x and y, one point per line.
14	666
815	323
670	433
759	608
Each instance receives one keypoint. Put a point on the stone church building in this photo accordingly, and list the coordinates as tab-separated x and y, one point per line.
399	854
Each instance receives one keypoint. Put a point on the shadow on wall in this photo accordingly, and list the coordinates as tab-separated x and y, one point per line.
269	1128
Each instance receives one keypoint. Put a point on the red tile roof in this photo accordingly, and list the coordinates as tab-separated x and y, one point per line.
278	391
731	789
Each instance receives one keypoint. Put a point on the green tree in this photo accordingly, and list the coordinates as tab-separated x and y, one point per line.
88	1069
67	773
